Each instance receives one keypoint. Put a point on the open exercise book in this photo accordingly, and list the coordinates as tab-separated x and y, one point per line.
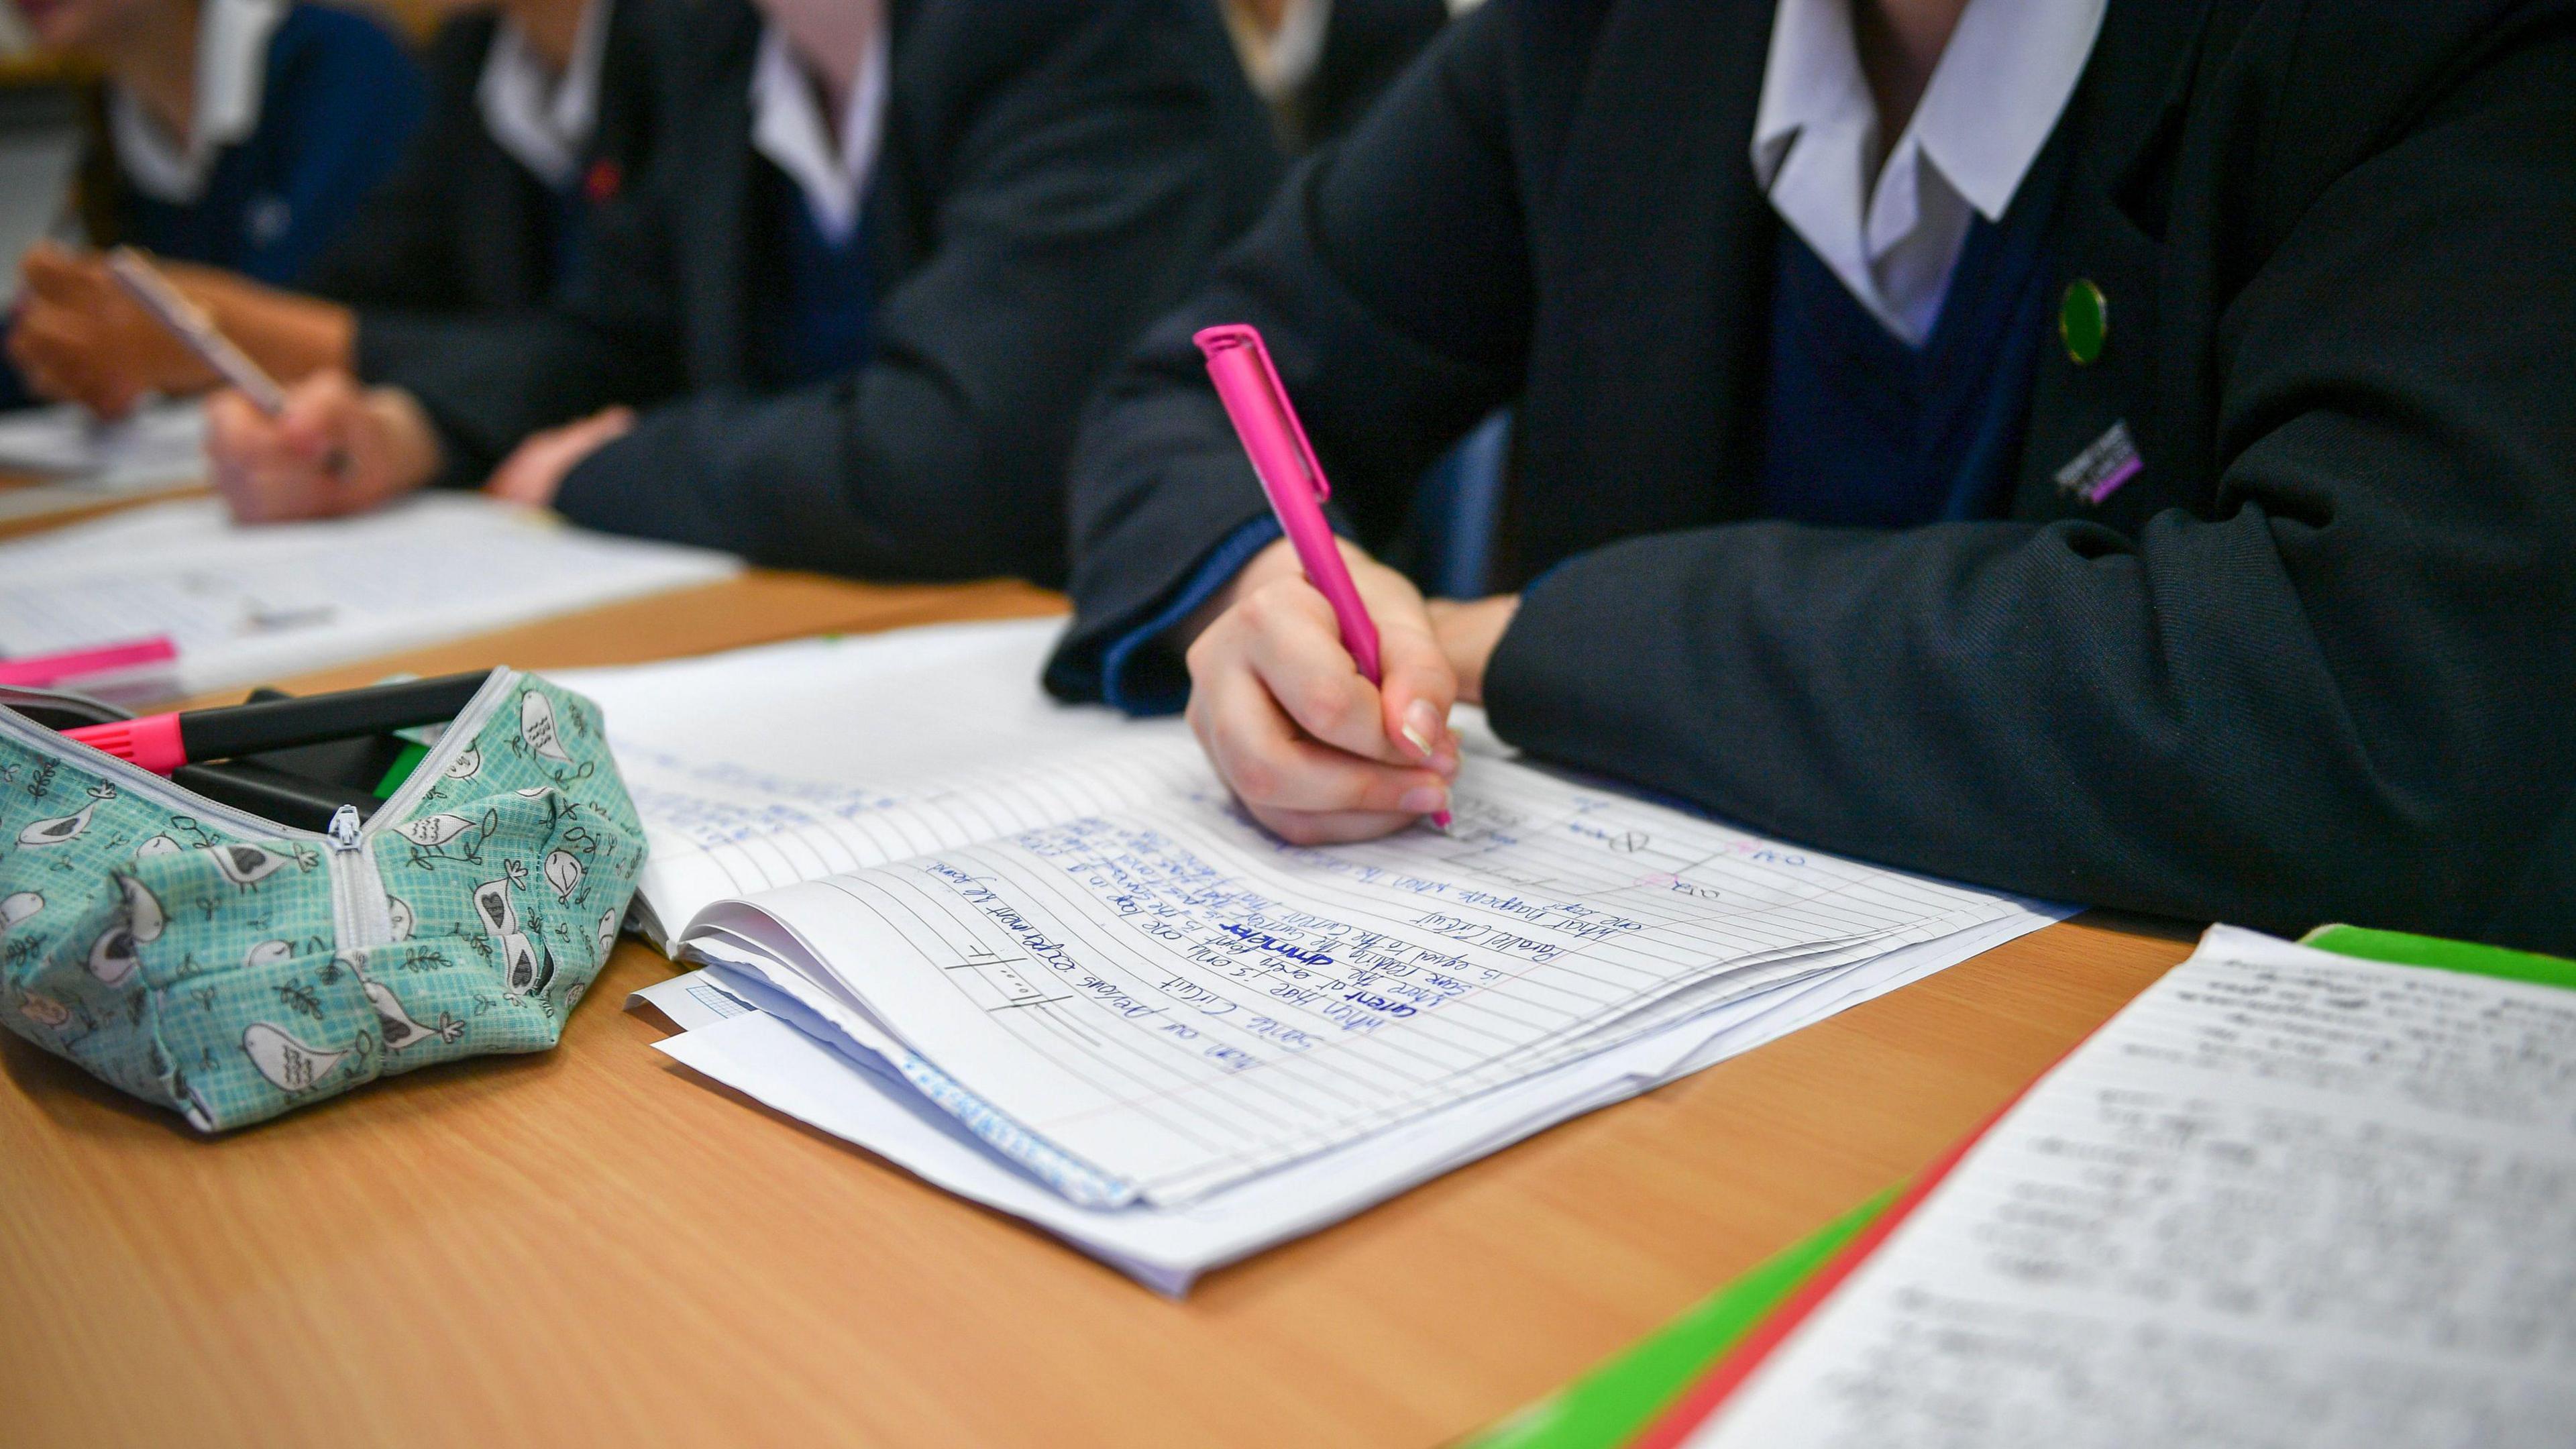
1037	955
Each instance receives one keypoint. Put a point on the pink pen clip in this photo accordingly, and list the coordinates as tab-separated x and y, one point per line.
1257	404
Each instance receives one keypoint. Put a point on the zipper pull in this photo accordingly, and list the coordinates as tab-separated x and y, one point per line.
343	830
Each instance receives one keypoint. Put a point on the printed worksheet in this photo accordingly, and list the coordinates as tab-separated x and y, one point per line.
2286	1198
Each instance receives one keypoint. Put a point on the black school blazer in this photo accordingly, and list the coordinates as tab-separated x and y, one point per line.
2317	661
1054	175
461	227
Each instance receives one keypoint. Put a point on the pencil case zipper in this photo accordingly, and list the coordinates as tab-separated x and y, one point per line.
361	908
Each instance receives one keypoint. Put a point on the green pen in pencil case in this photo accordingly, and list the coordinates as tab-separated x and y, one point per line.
231	968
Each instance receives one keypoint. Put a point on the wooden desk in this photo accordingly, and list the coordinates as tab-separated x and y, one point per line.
71	504
595	1246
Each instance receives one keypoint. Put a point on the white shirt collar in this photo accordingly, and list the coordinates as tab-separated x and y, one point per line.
787	127
1278	66
542	119
232	71
1994	98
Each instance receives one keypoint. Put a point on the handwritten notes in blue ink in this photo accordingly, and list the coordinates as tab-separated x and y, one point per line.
1182	1001
1066	942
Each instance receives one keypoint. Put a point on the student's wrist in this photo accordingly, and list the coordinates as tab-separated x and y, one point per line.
1277	560
291	335
1469	633
411	452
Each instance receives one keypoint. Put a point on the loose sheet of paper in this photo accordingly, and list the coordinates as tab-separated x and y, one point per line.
248	603
1169	1000
2286	1198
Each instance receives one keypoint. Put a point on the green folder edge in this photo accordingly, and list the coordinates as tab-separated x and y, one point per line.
2405	950
1615	1402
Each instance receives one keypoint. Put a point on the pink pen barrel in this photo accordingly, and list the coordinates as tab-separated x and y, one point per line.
1257	404
47	671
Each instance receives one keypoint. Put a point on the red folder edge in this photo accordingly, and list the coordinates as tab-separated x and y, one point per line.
1710	1394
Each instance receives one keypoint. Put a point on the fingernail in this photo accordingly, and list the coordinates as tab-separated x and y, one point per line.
1423	800
1444	764
1421	726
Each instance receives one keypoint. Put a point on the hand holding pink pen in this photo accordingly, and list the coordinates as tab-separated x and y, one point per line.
1291	478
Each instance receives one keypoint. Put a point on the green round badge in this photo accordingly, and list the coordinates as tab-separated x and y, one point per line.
2084	321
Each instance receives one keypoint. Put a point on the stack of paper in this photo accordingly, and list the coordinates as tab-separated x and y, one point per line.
244	604
1077	984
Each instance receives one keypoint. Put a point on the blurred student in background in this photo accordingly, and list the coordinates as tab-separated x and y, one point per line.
537	118
1319	64
2113	450
857	302
239	133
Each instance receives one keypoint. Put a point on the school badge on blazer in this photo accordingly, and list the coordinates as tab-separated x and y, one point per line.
231	968
603	181
2103	467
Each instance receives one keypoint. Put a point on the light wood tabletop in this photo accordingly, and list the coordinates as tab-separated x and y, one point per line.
596	1246
30	503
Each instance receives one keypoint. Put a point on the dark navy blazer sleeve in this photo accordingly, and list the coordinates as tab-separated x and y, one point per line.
2343	694
2337	690
1085	199
1390	351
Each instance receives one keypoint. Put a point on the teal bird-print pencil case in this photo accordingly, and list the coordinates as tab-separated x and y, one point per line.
231	968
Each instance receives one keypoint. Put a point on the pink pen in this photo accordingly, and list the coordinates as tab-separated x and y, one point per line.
44	671
1257	403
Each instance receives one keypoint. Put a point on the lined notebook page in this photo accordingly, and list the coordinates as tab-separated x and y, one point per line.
764	767
1176	1000
2285	1198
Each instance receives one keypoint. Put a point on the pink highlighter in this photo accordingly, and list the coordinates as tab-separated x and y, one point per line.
1257	404
55	671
